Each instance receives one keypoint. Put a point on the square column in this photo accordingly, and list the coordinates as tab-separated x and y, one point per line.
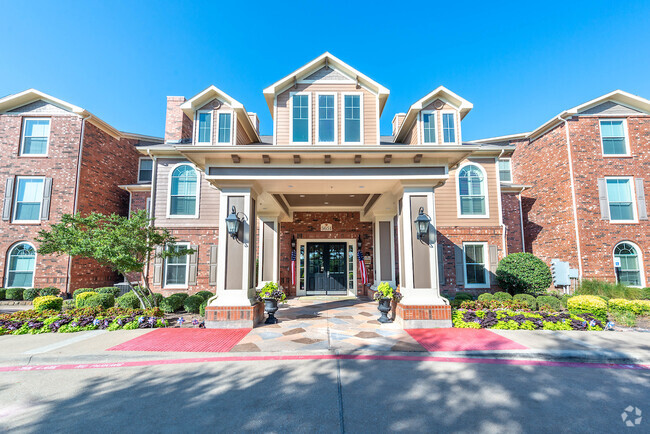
384	250
269	247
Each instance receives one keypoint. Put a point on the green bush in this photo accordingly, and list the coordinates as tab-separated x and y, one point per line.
202	308
2	293
502	296
205	294
193	303
609	290
114	291
646	293
181	296
463	296
528	299
80	300
30	293
80	291
104	300
48	302
635	307
524	273
50	290
565	299
158	298
593	305
128	301
171	304
68	304
14	293
627	319
548	301
486	296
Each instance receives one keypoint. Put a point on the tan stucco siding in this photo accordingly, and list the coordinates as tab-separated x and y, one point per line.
242	137
446	198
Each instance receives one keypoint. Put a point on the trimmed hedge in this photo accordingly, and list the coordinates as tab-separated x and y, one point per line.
193	303
565	299
158	298
607	290
202	308
115	292
2	293
30	293
68	304
80	300
486	296
205	294
14	293
180	295
48	302
528	299
523	273
548	301
50	290
128	301
462	296
104	300
80	291
636	307
590	304
502	296
171	304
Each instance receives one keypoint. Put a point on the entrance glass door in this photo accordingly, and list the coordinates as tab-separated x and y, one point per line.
326	269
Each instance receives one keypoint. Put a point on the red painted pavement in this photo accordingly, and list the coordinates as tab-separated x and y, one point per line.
185	340
453	339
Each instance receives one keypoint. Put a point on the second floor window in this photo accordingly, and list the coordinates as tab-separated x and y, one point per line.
352	121
448	128
326	118
429	127
146	170
471	191
36	134
29	199
183	194
619	198
224	127
505	171
613	137
205	127
300	118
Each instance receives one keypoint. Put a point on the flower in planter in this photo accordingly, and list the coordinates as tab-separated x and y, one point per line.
271	290
384	290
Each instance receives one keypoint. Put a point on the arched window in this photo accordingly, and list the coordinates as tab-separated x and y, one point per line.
628	256
471	191
21	264
183	191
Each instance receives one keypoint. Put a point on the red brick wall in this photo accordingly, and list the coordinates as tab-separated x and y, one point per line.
512	221
177	125
139	200
307	225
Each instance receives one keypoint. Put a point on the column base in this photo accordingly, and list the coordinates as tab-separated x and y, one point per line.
234	317
423	316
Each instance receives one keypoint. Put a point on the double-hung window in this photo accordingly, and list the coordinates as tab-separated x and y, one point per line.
204	134
326	118
505	170
613	136
224	127
472	191
448	128
429	127
620	199
36	135
176	267
476	274
183	191
21	266
352	118
300	118
29	199
146	170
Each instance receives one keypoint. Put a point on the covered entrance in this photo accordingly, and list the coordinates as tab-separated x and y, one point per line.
326	269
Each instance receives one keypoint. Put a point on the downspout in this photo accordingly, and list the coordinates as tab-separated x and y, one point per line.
573	193
521	224
76	192
503	226
151	208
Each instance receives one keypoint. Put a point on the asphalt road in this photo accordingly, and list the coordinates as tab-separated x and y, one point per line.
323	396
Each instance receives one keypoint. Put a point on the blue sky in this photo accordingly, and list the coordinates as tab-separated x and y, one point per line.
518	63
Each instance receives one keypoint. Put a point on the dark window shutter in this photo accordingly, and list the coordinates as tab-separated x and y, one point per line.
494	262
47	196
158	267
193	268
8	199
460	265
213	265
640	199
441	265
602	197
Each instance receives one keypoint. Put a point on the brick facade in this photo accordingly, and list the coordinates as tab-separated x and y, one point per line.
512	220
177	125
139	200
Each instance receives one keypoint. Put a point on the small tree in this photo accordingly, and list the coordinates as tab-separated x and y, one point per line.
124	244
523	273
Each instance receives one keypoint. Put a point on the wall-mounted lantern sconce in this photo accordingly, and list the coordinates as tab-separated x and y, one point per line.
293	242
359	242
233	223
422	224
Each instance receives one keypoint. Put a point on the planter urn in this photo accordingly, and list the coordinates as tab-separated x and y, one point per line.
384	308
271	307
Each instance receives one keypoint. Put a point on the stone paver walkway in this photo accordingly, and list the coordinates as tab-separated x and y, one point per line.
328	323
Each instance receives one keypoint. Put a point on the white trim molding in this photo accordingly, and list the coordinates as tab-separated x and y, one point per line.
187	267
169	191
485	192
484	245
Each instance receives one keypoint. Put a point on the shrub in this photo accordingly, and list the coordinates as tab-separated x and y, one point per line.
158	298
565	299
523	273
463	296
486	296
509	320
14	293
30	293
635	307
171	304
2	293
628	319
202	308
528	299
68	304
593	305
193	303
205	294
548	302
114	291
128	301
494	304
181	296
502	296
80	300
609	290
104	300
50	290
646	293
48	302
80	291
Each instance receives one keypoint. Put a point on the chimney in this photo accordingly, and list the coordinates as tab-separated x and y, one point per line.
397	122
255	121
177	125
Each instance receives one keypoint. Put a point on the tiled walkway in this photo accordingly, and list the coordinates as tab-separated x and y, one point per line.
328	323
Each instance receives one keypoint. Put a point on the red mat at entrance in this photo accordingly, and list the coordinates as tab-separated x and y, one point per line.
185	340
453	339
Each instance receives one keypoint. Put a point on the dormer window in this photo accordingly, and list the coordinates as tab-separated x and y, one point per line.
300	118
429	127
204	128
326	118
448	128
224	127
352	118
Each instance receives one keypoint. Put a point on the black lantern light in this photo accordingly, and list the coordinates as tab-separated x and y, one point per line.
232	223
293	242
422	224
359	242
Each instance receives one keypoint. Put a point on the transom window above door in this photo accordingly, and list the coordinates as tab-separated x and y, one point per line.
326	118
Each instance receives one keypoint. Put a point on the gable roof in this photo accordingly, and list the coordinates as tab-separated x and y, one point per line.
461	104
325	59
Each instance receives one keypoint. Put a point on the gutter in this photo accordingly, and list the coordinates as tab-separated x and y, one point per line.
154	173
504	239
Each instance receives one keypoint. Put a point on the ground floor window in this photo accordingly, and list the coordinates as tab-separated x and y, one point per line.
627	255
475	265
176	267
21	265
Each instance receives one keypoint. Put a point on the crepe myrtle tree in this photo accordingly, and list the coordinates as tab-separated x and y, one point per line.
124	244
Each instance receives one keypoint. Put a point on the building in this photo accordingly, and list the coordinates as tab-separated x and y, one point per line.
57	159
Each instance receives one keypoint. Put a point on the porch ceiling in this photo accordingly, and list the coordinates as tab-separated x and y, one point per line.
343	200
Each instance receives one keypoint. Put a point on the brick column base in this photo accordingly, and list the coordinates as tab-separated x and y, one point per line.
423	317
234	317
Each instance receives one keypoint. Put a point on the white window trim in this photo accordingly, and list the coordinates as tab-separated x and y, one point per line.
8	260
639	254
442	127
485	187
485	264
336	118
634	204
187	267
361	132
197	123
509	160
625	132
169	192
435	122
47	143
15	200
309	118
218	125
140	166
